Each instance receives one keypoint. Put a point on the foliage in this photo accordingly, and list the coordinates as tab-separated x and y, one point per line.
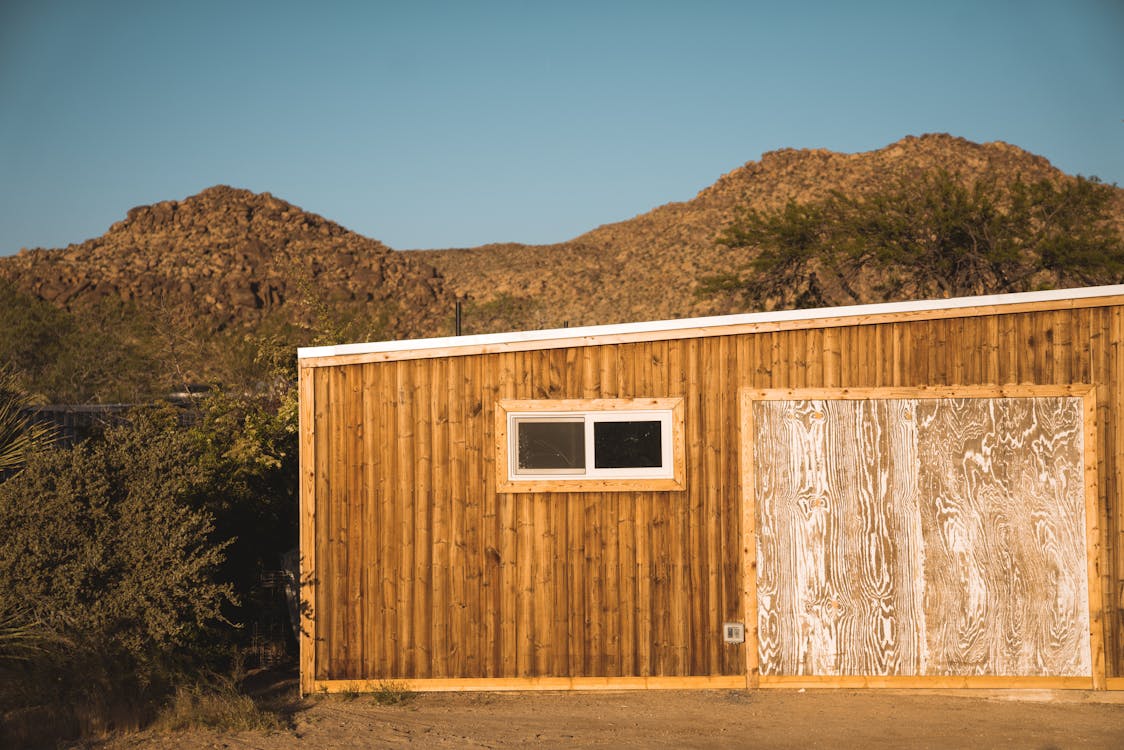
936	234
125	352
21	637
134	560
100	356
245	445
337	319
104	549
20	434
503	312
391	693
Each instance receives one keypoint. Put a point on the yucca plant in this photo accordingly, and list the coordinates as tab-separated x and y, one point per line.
21	636
19	433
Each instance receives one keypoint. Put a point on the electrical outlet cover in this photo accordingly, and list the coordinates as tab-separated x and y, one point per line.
733	632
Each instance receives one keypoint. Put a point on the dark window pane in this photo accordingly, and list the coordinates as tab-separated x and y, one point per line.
624	445
551	445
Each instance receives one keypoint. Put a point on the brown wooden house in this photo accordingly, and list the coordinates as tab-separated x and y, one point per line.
923	494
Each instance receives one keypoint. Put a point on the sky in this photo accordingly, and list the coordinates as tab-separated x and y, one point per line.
453	124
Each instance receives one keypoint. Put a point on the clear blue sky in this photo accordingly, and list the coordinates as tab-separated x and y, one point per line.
437	124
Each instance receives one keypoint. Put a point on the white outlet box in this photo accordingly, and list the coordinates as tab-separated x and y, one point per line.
733	632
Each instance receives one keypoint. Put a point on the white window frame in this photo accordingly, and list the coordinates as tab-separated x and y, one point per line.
668	476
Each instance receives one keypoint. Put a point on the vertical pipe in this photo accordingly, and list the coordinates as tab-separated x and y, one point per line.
458	317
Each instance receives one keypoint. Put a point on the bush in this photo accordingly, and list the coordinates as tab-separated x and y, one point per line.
932	235
101	355
103	548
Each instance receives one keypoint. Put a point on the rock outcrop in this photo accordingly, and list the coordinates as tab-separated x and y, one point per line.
229	258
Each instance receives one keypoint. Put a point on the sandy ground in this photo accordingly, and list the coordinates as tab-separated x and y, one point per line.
701	719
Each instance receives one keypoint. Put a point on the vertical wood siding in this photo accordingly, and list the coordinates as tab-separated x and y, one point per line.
423	570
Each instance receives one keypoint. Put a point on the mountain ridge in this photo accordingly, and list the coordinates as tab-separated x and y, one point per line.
679	239
231	259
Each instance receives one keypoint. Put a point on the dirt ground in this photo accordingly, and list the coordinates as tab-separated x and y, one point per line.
699	719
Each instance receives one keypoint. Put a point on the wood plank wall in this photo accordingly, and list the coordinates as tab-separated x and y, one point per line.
422	570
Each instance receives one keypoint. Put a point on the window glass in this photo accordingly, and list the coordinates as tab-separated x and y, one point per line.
624	445
554	444
589	445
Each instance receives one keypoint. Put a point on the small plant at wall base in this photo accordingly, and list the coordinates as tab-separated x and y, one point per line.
391	693
934	235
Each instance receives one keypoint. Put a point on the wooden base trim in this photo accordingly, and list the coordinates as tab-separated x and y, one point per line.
715	682
507	684
941	682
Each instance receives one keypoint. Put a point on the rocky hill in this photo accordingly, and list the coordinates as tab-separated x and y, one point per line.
648	267
230	259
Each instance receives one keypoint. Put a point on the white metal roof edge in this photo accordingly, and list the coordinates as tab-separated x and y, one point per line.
714	321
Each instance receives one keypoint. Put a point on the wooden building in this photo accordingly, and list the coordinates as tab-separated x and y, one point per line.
920	494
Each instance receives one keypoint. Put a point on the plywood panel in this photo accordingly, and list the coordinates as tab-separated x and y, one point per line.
837	534
921	537
1004	523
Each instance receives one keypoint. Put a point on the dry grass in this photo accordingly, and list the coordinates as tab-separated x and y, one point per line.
219	705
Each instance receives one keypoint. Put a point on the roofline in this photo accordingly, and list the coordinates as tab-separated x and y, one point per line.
717	325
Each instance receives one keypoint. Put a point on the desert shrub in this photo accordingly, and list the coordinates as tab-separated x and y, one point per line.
23	639
933	234
503	312
99	355
104	550
385	693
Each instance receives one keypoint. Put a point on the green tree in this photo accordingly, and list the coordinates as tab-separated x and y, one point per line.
246	446
932	235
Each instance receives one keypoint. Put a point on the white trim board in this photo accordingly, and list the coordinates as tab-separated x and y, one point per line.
589	335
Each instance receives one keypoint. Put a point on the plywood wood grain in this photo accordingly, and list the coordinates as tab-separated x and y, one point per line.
929	536
1003	524
836	538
